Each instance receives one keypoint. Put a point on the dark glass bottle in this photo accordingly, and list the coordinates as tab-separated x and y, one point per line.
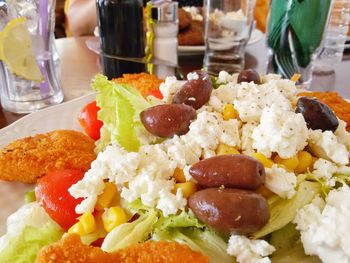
121	33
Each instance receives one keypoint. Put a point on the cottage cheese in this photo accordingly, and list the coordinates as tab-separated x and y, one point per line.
169	88
324	226
325	145
249	251
280	182
251	99
280	131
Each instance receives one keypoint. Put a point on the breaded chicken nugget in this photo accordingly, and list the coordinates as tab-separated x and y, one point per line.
70	249
185	19
27	159
194	35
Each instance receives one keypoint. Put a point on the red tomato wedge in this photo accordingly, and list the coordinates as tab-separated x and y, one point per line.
52	194
88	120
155	93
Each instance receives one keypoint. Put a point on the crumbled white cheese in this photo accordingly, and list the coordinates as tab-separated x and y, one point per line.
246	138
251	99
280	131
224	78
269	77
325	145
324	169
324	226
169	88
209	129
192	76
280	182
342	134
249	251
221	96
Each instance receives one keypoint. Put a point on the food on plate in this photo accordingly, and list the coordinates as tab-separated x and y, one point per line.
25	160
89	121
339	105
242	176
249	75
317	114
52	194
235	171
143	82
70	249
168	120
231	211
185	19
191	27
196	91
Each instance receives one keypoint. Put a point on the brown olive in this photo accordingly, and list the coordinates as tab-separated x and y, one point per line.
230	210
317	115
168	119
249	75
195	92
236	171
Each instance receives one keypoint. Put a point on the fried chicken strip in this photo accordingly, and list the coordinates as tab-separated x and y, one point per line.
70	249
25	160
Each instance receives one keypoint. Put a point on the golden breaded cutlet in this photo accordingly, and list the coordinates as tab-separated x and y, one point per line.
25	160
70	249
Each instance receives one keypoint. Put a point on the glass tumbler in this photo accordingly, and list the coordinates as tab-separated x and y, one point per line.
228	26
19	95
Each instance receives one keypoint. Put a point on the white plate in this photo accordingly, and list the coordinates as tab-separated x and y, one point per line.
62	116
256	36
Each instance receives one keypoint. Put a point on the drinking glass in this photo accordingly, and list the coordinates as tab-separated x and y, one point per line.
19	95
335	37
295	32
228	26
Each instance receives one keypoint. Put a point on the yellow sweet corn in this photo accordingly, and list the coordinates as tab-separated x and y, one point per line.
187	188
305	162
77	228
266	162
179	176
104	200
224	149
88	222
113	217
290	163
229	112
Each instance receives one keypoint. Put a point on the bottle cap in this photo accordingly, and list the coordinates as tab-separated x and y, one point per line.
165	11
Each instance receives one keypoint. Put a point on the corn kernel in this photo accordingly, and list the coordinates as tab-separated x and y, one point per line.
290	163
266	162
295	77
77	228
229	112
224	149
104	200
113	217
179	176
305	162
88	222
187	188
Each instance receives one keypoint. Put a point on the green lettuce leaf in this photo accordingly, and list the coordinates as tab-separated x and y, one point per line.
131	233
25	247
120	109
283	211
28	230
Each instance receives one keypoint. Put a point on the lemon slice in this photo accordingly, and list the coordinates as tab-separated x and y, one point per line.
16	50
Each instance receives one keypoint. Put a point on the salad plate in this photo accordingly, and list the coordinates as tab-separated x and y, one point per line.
62	116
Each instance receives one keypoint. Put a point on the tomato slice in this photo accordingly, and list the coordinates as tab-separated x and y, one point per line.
52	194
88	120
155	93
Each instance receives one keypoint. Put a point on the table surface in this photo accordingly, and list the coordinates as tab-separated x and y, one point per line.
79	65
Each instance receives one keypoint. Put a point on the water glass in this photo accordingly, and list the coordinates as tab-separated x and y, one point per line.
228	26
19	95
335	38
294	36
